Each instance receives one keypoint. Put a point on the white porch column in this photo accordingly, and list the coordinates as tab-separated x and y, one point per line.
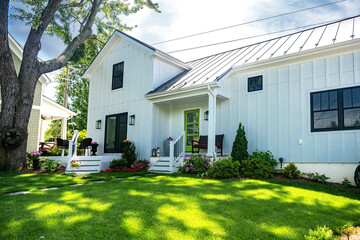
211	124
63	128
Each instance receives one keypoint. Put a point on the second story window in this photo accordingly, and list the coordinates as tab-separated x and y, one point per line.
255	83
118	75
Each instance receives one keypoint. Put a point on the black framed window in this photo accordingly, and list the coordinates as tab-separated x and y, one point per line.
115	132
255	83
335	109
118	75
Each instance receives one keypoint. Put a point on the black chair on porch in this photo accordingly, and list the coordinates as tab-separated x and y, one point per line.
63	144
86	145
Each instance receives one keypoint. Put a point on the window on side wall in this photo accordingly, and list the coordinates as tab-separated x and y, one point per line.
337	109
255	83
118	76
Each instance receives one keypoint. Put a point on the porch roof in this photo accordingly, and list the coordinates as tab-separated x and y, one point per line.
212	68
50	110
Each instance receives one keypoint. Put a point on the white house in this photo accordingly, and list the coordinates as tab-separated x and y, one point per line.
297	95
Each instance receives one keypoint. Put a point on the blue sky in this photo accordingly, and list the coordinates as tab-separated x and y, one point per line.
184	17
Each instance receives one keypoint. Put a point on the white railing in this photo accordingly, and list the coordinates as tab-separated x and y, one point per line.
72	149
177	149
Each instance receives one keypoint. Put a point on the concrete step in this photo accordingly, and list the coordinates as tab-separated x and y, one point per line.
81	172
159	171
85	168
90	163
161	164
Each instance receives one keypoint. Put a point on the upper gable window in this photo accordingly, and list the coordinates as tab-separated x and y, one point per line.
255	83
118	75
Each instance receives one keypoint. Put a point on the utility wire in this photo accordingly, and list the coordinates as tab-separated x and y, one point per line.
244	38
245	23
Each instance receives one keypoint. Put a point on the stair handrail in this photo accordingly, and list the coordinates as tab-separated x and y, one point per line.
172	149
72	149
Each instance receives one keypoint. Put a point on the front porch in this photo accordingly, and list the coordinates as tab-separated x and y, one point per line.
185	117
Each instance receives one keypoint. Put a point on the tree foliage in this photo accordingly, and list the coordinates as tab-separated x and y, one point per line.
239	149
74	23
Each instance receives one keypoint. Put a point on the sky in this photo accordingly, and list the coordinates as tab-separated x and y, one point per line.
180	18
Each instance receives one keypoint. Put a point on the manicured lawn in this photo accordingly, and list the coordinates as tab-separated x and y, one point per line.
171	207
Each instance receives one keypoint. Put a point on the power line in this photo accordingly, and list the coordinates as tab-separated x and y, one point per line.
244	38
245	23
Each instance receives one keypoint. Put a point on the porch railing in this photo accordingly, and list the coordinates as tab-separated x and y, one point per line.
177	150
72	149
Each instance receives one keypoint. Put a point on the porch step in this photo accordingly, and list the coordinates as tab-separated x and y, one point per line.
162	165
88	165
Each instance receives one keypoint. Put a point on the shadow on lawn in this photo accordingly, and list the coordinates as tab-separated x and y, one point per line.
174	207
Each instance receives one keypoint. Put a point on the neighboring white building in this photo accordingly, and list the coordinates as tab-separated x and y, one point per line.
297	95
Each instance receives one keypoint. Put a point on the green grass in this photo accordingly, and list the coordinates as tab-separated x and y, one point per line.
172	207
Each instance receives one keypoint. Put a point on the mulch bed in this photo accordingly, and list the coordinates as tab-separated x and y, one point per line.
40	172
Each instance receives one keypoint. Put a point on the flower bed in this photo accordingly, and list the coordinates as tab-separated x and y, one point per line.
124	170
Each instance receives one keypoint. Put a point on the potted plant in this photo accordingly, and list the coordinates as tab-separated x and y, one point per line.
34	157
94	146
75	164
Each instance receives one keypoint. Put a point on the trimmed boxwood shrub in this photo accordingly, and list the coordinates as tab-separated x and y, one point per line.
225	168
291	171
257	168
118	164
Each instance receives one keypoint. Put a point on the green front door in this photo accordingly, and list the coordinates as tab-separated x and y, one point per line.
192	119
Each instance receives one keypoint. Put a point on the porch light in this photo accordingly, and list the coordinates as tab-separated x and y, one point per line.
98	124
132	120
206	115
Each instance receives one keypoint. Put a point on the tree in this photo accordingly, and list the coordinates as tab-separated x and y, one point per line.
239	149
55	17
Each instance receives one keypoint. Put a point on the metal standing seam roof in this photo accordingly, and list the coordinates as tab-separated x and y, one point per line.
209	69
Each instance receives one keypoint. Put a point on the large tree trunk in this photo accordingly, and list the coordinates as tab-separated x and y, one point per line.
17	95
17	90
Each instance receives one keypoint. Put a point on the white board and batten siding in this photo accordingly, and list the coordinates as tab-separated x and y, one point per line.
163	72
278	117
137	81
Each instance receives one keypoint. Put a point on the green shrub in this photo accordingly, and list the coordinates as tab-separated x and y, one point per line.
320	233
50	165
225	168
196	164
316	177
346	182
257	168
320	178
130	154
291	171
118	164
239	149
267	156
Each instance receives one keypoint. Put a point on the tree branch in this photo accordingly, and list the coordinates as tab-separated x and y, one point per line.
70	5
32	45
6	60
65	56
